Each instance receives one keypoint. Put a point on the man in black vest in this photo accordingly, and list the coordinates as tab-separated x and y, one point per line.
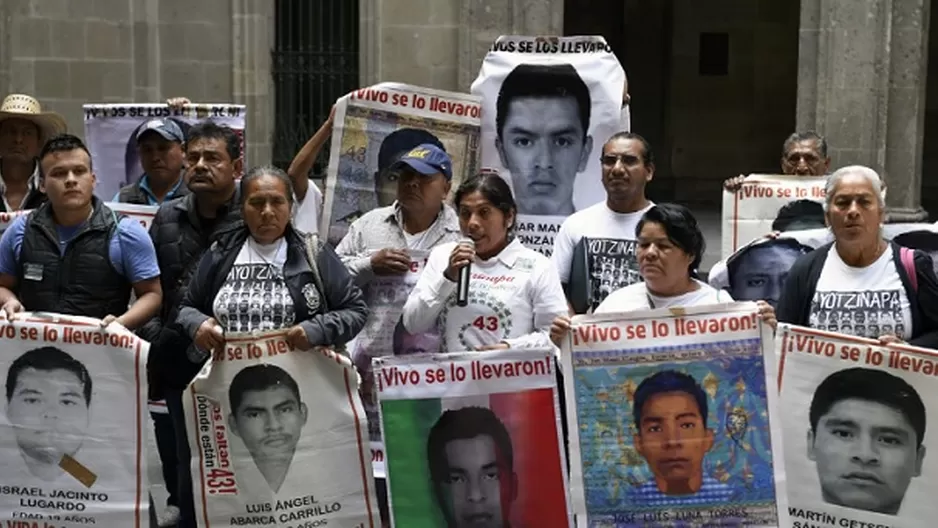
182	230
74	255
161	152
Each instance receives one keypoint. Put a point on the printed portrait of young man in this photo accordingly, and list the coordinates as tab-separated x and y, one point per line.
866	434
542	135
670	413
471	462
48	396
268	415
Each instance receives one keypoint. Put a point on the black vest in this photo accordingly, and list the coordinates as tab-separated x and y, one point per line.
83	281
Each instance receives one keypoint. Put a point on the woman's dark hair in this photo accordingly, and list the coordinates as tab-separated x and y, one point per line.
493	187
266	170
682	230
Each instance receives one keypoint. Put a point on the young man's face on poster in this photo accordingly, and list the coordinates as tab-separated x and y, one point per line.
674	439
269	423
49	414
866	455
479	486
543	146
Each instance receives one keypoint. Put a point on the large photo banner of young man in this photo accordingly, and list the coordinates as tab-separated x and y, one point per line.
473	439
375	126
384	335
73	423
667	413
111	132
278	438
856	422
548	106
767	203
757	271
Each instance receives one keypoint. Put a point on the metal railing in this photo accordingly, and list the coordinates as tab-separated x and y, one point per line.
314	62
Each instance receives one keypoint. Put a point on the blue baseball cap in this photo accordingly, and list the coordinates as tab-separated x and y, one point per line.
167	128
427	159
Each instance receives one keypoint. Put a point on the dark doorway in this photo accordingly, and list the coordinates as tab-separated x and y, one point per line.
713	84
315	61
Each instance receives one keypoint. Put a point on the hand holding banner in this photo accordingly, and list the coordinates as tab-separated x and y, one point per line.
278	438
73	423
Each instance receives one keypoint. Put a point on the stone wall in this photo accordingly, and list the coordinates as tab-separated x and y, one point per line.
71	52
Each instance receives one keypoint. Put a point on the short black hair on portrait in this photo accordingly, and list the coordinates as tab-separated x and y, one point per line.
733	263
403	140
809	135
667	381
464	424
211	130
799	210
48	358
543	80
63	143
681	226
259	378
870	385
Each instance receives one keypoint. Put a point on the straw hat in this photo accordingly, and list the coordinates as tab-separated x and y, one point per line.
26	107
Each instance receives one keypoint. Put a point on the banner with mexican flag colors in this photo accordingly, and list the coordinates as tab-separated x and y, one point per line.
473	439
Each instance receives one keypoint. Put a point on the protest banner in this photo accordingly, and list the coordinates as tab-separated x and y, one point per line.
73	424
278	438
757	270
490	418
384	335
548	106
373	126
766	203
111	135
141	213
667	418
851	420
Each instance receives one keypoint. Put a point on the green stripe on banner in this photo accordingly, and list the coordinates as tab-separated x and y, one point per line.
406	424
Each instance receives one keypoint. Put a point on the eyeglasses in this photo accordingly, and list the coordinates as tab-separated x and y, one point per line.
610	160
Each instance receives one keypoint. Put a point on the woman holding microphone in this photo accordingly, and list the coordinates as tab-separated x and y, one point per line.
513	293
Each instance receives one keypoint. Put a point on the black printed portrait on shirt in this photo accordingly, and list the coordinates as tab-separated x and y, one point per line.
871	313
611	265
253	298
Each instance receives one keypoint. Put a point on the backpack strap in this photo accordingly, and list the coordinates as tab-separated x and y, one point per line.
907	257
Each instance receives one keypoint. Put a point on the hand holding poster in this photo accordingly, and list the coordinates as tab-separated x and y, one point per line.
490	418
384	335
373	126
667	416
278	438
73	424
852	418
111	134
765	203
548	106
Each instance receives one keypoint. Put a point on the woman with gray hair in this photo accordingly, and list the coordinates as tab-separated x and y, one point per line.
267	276
860	284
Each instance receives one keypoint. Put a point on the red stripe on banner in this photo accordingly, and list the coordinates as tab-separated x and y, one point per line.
139	435
361	452
533	425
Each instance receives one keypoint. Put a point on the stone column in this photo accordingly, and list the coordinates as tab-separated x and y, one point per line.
861	82
252	39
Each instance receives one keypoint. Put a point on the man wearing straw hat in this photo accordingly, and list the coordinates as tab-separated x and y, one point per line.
24	129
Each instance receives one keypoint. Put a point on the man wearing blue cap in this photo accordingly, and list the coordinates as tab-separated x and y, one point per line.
160	150
379	244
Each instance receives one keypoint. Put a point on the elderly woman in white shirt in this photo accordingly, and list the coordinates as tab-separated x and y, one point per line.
670	247
514	292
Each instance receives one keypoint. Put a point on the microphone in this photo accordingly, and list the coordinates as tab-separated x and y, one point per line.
462	287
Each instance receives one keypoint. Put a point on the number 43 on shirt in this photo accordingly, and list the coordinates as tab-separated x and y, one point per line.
486	323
